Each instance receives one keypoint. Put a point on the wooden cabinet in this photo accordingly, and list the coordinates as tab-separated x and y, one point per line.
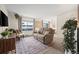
7	45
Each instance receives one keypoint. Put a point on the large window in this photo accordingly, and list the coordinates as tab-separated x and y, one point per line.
27	25
45	24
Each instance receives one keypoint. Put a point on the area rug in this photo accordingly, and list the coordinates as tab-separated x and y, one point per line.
29	45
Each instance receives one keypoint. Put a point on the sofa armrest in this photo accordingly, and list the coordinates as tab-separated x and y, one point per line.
48	38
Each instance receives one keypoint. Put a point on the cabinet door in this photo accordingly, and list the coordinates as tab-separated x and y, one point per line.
4	46
7	45
1	46
13	44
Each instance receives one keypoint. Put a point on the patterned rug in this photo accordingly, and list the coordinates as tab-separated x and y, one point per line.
29	45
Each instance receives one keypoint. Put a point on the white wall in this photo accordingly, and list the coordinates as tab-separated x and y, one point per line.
13	22
61	19
3	8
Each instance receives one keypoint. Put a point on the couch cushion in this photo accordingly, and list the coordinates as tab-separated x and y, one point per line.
40	31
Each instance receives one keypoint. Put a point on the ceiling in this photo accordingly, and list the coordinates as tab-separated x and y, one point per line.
39	10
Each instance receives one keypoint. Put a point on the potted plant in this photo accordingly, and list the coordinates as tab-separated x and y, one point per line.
4	34
69	33
11	32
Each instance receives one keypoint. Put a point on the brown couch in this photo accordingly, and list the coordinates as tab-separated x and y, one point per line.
46	36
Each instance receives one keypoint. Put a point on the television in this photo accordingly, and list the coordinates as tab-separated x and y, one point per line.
3	19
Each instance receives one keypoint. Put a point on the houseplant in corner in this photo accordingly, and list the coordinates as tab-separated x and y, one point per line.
69	33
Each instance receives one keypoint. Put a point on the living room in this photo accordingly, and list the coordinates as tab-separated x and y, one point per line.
33	22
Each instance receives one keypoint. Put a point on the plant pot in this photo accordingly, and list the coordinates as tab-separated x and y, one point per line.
5	37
